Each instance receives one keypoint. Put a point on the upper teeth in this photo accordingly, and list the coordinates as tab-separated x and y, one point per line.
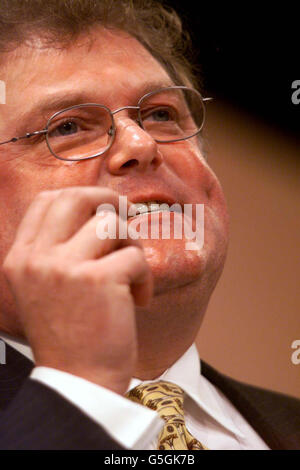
149	206
152	206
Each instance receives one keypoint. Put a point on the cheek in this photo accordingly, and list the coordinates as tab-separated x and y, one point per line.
20	182
201	185
198	181
188	163
216	216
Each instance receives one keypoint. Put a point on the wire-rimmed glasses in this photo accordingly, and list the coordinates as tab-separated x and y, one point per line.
86	131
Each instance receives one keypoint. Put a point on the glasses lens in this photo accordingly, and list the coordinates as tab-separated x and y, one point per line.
80	132
172	114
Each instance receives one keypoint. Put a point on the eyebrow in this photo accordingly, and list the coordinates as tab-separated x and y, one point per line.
48	105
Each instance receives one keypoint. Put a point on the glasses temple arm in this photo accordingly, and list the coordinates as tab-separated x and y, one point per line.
26	136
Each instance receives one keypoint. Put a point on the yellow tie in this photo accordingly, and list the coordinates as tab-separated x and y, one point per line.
167	399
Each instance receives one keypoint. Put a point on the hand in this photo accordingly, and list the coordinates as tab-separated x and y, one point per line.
76	294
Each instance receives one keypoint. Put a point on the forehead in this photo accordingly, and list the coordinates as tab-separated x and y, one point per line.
104	63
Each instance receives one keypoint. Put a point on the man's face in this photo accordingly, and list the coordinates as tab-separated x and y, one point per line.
114	70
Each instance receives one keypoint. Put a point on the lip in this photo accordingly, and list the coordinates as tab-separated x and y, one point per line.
164	195
162	198
154	216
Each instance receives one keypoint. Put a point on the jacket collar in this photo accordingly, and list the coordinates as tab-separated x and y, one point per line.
12	375
274	416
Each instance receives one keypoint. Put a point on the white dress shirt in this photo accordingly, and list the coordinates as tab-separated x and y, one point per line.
209	415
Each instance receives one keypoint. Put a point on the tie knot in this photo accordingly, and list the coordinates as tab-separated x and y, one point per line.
164	397
167	399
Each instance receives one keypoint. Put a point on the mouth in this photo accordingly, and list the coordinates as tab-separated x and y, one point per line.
153	206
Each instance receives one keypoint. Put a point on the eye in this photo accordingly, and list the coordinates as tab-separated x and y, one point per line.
67	128
159	115
64	129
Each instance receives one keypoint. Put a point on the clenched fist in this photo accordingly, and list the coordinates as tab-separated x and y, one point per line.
76	294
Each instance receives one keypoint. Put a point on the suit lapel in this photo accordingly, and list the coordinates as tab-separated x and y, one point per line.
274	416
12	375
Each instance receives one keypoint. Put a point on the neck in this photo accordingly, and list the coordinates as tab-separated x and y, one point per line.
165	331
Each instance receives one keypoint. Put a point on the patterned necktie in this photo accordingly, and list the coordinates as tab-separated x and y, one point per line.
167	399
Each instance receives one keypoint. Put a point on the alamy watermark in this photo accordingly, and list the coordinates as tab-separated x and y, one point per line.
2	352
295	357
296	94
2	92
153	221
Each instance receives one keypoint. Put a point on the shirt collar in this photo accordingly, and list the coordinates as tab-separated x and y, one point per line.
19	345
186	373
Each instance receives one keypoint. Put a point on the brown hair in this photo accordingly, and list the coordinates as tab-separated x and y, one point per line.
59	22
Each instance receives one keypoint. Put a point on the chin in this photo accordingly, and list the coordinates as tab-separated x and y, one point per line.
172	265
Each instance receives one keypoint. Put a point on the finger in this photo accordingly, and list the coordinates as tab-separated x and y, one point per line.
129	266
34	216
98	237
71	209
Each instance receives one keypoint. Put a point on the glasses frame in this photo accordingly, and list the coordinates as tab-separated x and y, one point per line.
112	131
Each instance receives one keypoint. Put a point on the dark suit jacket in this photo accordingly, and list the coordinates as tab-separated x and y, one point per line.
33	416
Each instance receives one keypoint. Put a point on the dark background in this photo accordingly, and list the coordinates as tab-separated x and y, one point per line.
249	55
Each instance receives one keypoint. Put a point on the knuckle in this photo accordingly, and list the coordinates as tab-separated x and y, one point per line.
9	264
13	261
75	196
17	267
32	266
73	191
87	274
44	268
137	254
45	195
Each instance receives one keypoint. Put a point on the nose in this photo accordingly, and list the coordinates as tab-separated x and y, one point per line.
133	149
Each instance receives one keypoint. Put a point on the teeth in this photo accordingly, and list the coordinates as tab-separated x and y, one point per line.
149	206
152	206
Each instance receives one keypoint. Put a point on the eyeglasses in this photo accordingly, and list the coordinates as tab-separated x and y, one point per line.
86	131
